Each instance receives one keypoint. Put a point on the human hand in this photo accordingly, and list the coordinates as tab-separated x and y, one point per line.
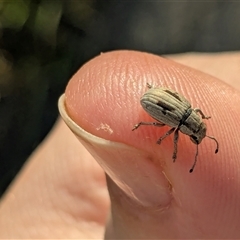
62	193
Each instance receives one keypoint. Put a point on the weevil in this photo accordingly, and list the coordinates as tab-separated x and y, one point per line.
172	109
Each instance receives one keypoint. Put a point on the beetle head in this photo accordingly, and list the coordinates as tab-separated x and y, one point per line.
200	134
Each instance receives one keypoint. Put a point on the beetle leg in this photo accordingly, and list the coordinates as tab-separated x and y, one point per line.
197	110
195	161
176	135
156	124
165	135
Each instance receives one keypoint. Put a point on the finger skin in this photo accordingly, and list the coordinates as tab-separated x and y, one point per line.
224	65
205	203
61	193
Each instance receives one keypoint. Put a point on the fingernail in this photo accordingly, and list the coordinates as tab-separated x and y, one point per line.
134	171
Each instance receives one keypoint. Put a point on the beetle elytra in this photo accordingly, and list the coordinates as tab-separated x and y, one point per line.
170	108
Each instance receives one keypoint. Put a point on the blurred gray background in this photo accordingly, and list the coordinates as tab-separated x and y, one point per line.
44	42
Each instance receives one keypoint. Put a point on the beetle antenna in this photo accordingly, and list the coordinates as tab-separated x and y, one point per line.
195	161
213	138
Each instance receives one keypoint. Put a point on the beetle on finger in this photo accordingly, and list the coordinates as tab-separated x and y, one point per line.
170	108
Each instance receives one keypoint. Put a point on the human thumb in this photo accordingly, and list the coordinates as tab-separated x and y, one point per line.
152	197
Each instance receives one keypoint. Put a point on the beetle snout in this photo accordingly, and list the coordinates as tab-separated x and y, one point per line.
200	134
194	139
